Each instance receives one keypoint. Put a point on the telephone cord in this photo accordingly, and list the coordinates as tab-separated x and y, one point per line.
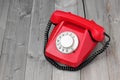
68	68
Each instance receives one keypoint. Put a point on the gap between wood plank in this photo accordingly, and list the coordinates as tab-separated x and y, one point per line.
3	19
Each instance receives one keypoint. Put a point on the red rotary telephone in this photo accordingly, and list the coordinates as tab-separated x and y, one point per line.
72	40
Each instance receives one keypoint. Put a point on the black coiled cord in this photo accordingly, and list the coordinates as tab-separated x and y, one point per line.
67	68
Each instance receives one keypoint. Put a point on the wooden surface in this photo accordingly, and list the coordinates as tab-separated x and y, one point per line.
22	26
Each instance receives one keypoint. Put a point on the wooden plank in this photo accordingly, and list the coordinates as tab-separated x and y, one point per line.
113	55
13	58
97	70
76	7
37	67
4	5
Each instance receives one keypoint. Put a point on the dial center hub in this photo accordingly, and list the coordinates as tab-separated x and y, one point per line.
66	41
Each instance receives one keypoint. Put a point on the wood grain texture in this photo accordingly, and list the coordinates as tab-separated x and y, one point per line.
22	26
4	5
98	69
113	54
71	6
37	67
13	58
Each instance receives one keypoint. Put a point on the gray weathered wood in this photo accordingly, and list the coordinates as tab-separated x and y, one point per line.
113	54
75	7
4	5
22	26
37	67
97	70
13	58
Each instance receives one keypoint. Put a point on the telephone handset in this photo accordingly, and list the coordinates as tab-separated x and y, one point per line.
72	40
97	31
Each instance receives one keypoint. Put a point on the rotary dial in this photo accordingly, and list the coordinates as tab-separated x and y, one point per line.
67	42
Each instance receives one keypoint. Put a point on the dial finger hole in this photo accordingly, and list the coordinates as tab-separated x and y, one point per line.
66	50
58	40
62	49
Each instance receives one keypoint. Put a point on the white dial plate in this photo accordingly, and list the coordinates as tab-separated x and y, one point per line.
67	42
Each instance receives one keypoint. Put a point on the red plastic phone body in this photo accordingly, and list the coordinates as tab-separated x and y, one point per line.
85	30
